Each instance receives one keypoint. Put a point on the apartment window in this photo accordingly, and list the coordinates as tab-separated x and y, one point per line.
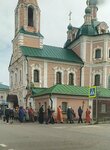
58	77
64	107
71	79
30	16
103	108
36	75
97	80
98	53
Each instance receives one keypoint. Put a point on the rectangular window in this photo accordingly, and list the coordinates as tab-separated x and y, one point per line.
36	75
97	80
58	77
109	53
98	53
103	108
64	107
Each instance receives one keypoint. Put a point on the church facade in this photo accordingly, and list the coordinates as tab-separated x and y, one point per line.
83	61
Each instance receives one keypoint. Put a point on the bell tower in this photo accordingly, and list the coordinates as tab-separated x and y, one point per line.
27	24
27	16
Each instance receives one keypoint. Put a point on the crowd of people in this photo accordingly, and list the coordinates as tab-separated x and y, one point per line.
18	114
71	115
31	115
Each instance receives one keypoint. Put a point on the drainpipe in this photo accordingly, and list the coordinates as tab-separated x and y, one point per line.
81	74
27	79
27	72
51	101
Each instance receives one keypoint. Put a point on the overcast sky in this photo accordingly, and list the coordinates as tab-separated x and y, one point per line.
54	22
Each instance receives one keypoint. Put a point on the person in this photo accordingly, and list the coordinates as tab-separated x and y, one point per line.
1	113
41	115
69	114
11	115
26	114
21	114
31	114
80	111
16	116
49	112
7	114
59	115
73	115
50	118
88	119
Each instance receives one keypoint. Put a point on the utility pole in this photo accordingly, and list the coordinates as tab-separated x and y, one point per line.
97	97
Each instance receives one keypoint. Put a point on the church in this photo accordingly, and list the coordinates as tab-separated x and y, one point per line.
41	74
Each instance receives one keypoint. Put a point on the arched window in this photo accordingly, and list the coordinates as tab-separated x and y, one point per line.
36	75
98	53
97	80
30	16
58	77
71	79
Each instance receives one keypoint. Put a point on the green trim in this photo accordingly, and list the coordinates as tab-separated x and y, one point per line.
30	33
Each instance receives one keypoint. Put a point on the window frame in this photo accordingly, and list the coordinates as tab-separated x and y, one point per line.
58	77
98	53
36	75
71	79
103	108
97	83
64	107
30	16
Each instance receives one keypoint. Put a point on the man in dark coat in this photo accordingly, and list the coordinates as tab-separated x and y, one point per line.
41	115
80	111
7	114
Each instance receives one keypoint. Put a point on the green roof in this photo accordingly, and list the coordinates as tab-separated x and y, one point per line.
52	53
64	90
30	33
37	90
4	87
71	90
87	30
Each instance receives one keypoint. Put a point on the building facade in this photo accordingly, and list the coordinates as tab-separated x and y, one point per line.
4	91
84	60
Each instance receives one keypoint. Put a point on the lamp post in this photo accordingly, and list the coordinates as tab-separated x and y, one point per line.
97	98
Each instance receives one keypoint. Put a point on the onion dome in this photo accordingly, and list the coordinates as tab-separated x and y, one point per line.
86	30
88	10
70	27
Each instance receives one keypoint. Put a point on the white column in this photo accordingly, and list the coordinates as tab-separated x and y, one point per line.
105	51
82	77
83	50
105	77
45	73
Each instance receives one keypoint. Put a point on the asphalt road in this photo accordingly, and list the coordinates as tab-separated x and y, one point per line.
33	136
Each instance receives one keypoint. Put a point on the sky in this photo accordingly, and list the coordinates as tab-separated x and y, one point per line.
54	22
